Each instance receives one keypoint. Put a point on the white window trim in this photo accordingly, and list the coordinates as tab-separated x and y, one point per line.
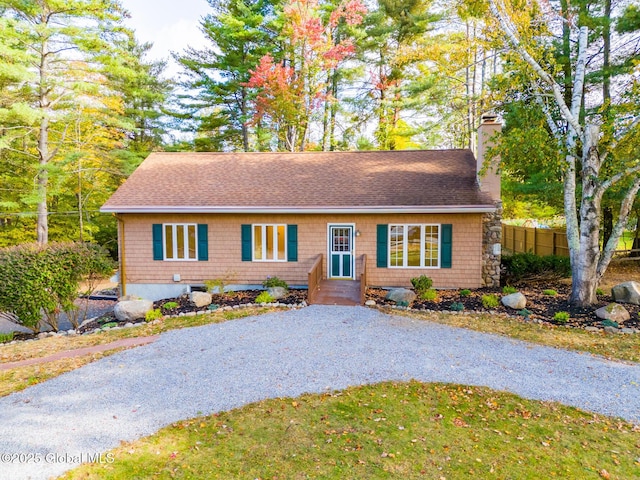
264	226
405	257
174	233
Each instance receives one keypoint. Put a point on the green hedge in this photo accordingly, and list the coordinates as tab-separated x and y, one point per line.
39	282
527	266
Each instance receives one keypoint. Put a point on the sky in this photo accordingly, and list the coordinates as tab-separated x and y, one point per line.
171	25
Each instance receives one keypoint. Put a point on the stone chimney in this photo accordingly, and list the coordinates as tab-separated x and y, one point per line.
489	180
488	175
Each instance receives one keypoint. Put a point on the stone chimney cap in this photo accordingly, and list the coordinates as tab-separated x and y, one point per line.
489	117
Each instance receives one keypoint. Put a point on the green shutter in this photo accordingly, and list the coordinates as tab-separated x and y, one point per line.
292	243
157	242
246	243
382	250
203	242
446	240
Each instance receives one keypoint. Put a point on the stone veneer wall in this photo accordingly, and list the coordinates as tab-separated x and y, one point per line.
491	235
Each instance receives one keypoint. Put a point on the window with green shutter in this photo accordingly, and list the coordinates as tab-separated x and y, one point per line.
415	245
269	243
180	242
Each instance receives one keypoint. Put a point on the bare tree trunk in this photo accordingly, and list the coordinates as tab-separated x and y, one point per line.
606	53
636	238
326	114
566	52
42	223
584	272
245	128
468	87
333	111
607	224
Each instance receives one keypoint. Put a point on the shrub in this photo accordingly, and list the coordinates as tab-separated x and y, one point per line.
264	297
6	337
599	292
218	285
524	313
271	282
550	292
402	303
465	292
456	307
507	289
490	301
152	315
429	295
561	317
609	323
421	284
37	280
519	266
169	305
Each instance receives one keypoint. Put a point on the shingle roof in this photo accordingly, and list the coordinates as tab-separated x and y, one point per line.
416	180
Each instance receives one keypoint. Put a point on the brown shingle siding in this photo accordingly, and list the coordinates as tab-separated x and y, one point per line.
225	249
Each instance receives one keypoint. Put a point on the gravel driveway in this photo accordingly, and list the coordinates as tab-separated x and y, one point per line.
217	367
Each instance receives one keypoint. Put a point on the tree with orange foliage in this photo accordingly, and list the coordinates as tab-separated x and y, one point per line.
291	92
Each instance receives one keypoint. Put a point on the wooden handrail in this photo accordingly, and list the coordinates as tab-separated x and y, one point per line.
314	276
363	279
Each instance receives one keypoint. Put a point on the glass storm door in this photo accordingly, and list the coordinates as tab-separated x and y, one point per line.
341	251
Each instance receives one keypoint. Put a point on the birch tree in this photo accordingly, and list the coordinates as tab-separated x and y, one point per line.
592	162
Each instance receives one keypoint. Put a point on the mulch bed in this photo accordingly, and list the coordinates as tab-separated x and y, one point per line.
184	305
542	307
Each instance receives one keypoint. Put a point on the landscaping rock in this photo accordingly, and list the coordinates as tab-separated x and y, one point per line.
516	301
592	329
399	295
627	292
614	312
277	292
611	330
370	303
200	299
129	310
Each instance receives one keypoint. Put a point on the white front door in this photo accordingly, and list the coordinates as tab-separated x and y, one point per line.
341	251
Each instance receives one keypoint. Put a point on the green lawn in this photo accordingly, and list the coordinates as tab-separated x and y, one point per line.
388	430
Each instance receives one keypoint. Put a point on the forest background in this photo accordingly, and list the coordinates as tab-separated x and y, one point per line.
81	103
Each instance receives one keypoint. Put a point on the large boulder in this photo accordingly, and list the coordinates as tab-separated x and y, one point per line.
277	292
200	299
627	292
516	301
614	312
401	295
130	310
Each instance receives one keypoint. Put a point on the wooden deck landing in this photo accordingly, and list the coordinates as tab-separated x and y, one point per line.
338	292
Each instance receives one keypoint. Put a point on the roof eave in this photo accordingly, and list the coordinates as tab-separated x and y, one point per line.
305	210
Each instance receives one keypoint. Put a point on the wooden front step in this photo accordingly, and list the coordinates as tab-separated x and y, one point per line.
338	292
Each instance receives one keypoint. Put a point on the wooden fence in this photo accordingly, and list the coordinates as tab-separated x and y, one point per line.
540	241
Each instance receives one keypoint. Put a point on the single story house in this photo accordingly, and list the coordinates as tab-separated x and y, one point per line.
185	218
